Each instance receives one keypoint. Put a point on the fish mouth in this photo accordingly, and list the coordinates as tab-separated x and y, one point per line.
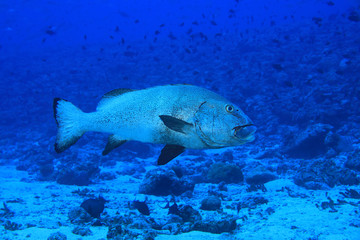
245	132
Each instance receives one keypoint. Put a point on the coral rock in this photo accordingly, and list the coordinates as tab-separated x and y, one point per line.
310	143
222	172
211	203
160	182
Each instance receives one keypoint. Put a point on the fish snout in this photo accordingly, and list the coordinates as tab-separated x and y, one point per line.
245	132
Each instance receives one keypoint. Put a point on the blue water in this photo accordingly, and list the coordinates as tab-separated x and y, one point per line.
292	66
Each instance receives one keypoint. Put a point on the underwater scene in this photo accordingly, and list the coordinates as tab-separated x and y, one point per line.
169	119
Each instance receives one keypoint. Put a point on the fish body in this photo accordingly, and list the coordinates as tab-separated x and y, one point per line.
142	207
179	116
94	206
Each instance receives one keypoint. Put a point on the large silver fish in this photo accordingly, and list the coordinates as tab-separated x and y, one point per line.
180	116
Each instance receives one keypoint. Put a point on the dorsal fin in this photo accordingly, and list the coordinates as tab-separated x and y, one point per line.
117	92
112	94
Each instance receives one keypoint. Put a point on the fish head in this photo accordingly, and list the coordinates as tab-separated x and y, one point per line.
223	124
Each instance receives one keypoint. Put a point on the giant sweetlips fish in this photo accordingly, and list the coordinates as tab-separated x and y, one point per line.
179	116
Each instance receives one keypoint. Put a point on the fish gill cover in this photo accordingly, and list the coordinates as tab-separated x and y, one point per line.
292	67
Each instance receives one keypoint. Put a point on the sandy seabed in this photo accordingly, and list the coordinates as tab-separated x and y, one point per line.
45	206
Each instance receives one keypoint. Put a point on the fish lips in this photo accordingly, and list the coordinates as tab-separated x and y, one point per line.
245	132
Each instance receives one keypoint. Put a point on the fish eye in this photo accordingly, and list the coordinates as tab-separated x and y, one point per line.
229	108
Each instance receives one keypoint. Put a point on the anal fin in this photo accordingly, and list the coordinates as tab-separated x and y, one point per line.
169	152
112	143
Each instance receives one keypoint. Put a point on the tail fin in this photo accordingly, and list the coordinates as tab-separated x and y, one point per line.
68	118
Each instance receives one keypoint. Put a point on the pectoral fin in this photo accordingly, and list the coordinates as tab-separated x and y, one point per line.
112	143
169	152
175	124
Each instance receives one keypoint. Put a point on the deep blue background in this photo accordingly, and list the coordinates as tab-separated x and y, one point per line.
286	63
23	23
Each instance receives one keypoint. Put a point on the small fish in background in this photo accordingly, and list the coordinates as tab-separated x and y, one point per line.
172	36
200	36
94	206
174	208
203	36
317	21
123	14
231	13
179	116
51	30
142	207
